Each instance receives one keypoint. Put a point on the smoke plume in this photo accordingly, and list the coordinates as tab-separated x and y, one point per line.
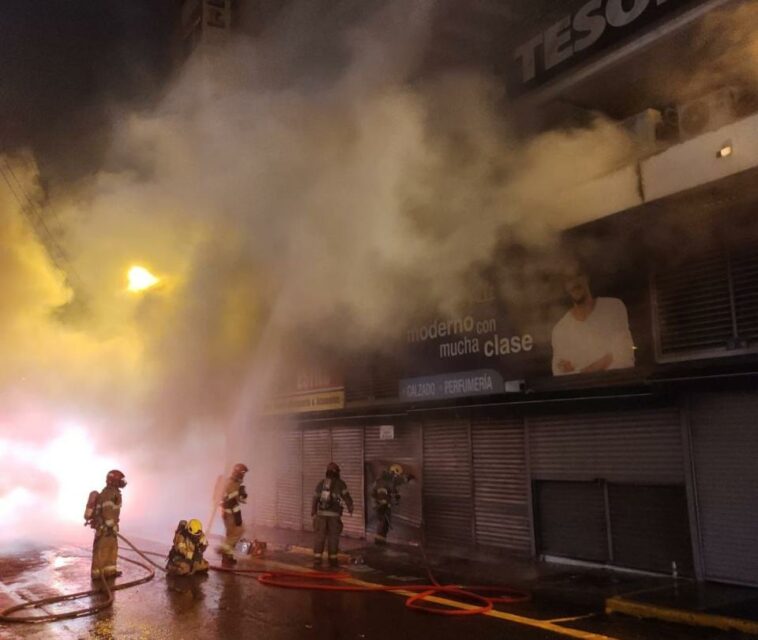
290	191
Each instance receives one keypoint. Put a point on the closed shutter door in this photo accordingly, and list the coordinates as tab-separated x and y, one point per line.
405	449
447	491
501	485
262	479
650	528
725	448
571	520
317	453
347	452
289	487
640	446
626	466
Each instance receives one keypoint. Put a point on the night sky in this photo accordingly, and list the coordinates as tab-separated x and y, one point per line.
68	66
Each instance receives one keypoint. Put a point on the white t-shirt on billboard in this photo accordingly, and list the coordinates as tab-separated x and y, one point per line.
582	342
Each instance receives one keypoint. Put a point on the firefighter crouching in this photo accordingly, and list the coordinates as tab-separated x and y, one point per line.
326	511
186	555
102	514
234	496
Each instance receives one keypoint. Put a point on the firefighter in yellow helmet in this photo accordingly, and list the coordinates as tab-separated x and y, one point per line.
386	495
233	497
326	509
102	514
186	555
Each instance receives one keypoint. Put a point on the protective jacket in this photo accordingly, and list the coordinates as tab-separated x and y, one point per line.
186	555
330	498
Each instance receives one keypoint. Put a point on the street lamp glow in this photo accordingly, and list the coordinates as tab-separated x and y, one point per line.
141	279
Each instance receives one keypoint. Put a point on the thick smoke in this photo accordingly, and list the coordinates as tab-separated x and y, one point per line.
286	196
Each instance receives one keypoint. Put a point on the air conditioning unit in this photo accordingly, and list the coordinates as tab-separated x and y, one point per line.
707	113
643	128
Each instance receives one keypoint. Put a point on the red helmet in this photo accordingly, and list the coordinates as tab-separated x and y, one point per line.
238	471
115	478
332	469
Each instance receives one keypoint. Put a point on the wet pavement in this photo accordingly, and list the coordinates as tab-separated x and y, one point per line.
228	607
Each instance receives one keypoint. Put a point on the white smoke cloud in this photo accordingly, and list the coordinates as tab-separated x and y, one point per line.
279	208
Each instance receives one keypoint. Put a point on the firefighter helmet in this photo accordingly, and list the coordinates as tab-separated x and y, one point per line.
115	478
396	470
195	527
238	471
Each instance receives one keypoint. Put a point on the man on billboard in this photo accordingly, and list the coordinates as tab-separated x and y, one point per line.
594	333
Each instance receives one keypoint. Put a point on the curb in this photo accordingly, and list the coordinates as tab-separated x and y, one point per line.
617	604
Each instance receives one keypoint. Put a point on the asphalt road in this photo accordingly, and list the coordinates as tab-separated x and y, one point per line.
230	607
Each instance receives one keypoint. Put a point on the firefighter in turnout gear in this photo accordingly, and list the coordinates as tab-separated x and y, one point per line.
186	555
328	500
103	514
233	497
386	495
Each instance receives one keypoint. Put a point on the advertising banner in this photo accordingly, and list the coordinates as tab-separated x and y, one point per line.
489	350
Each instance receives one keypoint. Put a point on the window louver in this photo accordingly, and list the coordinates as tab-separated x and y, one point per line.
707	306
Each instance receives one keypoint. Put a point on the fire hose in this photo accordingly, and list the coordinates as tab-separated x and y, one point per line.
6	615
310	580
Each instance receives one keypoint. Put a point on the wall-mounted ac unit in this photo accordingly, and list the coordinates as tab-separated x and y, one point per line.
643	128
707	113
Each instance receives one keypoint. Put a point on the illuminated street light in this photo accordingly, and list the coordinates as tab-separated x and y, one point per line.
141	279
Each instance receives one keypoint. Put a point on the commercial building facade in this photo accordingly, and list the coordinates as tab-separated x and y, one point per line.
648	464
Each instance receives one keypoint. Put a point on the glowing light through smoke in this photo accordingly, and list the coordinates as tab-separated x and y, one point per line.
140	279
64	470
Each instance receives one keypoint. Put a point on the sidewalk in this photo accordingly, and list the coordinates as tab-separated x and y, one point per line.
639	595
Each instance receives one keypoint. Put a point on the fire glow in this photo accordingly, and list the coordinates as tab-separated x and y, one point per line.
65	468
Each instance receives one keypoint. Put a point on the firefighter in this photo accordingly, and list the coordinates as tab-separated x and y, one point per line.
326	510
234	495
102	514
186	555
386	495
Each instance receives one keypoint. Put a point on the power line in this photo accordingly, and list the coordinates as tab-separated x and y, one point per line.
36	218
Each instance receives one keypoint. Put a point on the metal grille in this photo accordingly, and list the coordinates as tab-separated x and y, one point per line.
447	490
725	447
707	306
500	485
639	446
347	452
317	453
289	485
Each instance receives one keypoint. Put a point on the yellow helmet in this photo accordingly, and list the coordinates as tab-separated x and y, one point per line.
396	470
194	526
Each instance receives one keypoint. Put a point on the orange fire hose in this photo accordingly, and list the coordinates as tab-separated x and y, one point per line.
311	580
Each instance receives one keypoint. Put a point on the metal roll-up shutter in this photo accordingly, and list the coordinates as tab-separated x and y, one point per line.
447	491
263	475
620	473
289	486
501	489
634	446
405	449
347	452
725	453
571	520
317	453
